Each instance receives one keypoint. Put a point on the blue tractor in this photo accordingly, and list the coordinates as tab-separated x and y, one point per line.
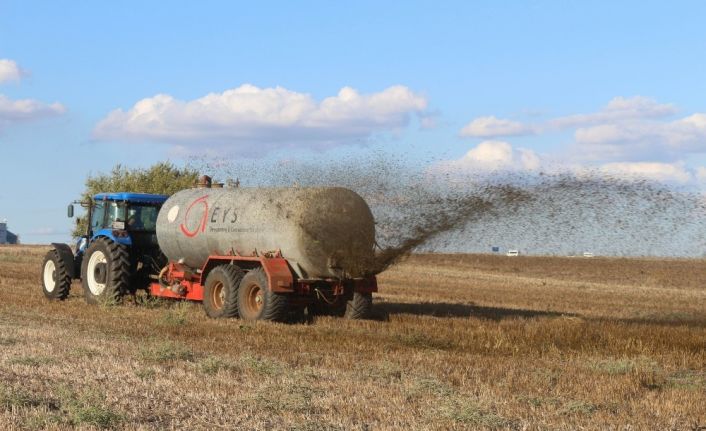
117	254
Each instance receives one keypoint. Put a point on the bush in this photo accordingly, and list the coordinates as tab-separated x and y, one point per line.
162	178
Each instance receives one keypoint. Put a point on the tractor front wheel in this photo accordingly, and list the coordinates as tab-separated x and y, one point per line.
257	302
56	280
105	272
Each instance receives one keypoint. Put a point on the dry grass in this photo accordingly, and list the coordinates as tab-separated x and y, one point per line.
462	342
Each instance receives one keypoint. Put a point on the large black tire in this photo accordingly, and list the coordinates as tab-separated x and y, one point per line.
257	302
56	280
220	295
360	306
105	272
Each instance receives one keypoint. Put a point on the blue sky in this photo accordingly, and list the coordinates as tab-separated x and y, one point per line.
613	86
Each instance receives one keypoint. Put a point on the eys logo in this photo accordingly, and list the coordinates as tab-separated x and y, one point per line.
202	218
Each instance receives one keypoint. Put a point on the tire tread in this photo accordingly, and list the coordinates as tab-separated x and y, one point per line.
360	306
233	275
63	278
118	276
277	305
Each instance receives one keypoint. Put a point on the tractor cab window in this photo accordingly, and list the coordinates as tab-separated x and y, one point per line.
142	217
105	213
97	216
115	212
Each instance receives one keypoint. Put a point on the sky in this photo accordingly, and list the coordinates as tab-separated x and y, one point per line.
612	87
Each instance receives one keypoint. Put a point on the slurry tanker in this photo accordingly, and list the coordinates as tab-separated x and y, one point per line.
253	253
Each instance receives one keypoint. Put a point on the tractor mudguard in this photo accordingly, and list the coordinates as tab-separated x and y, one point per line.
67	256
110	234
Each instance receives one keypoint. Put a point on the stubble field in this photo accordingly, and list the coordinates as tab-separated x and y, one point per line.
459	342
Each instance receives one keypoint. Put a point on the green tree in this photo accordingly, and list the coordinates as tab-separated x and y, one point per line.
162	178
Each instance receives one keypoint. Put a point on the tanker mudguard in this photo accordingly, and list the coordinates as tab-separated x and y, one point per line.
67	256
279	277
366	285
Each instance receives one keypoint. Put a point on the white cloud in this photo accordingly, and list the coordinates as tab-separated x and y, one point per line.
630	140
488	127
250	120
490	153
492	156
529	160
656	171
9	71
13	111
627	129
619	109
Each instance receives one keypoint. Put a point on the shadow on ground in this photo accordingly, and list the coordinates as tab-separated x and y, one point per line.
383	310
442	309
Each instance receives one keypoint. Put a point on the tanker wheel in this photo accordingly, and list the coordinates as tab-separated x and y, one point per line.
360	306
257	302
105	272
56	281
220	296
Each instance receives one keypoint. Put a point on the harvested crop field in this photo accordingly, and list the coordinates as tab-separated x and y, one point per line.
460	342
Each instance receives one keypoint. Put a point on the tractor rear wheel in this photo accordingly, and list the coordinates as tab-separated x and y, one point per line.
257	302
56	280
360	306
105	272
220	296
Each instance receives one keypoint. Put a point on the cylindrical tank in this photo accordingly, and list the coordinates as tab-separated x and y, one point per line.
322	231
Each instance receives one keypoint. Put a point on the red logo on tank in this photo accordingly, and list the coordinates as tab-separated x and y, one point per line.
202	223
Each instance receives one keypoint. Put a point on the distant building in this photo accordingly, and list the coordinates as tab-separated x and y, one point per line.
6	237
512	253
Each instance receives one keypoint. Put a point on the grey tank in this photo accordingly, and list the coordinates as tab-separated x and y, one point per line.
323	232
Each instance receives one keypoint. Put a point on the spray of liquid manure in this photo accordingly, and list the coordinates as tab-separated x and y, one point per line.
421	209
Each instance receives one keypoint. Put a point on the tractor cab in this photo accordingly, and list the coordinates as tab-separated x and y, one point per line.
125	218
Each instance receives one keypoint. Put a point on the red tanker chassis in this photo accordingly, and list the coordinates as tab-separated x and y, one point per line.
262	286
